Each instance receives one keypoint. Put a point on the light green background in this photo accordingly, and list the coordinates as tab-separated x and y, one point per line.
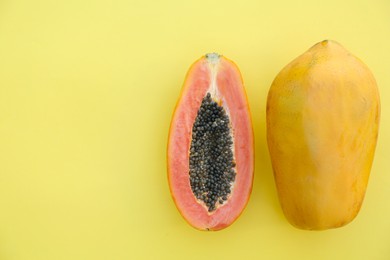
87	89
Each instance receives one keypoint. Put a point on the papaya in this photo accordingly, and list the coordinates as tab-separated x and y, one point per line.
210	155
322	120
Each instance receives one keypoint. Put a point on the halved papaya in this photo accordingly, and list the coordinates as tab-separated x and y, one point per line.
210	148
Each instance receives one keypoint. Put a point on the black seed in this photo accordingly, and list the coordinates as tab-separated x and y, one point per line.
211	157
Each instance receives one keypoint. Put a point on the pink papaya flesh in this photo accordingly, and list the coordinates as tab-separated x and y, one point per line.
210	153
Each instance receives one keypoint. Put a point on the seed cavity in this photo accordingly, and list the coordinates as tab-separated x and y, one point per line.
212	167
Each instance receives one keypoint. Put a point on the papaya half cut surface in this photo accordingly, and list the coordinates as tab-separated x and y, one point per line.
323	115
210	148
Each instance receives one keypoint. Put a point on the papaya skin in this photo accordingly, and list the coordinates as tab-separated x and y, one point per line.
323	112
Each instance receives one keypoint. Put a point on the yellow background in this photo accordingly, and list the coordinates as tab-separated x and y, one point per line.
87	89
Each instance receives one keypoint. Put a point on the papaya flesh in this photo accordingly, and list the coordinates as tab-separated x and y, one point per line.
323	114
210	155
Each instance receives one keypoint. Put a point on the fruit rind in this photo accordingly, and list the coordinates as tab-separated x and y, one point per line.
323	114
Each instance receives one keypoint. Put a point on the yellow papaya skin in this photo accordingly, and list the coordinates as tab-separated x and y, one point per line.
323	113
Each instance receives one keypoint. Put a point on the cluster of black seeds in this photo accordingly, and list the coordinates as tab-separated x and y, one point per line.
211	158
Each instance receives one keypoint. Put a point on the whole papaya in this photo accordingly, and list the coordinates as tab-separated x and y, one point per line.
323	113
